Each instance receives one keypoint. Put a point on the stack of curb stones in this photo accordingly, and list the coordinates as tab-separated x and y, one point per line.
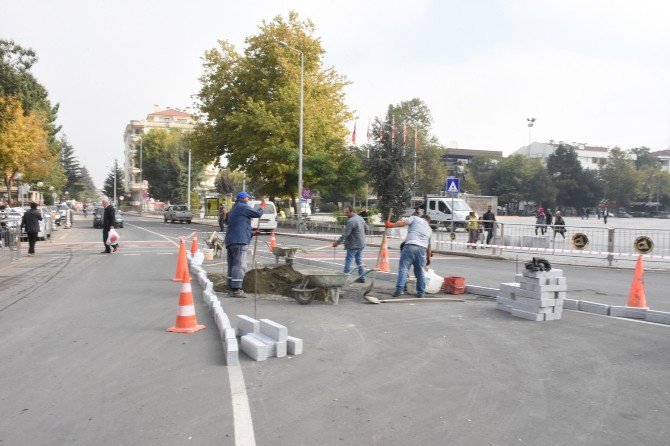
536	295
273	337
264	338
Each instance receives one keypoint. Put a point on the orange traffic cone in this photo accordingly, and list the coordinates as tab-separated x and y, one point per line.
384	264
181	261
194	243
636	298
273	241
186	322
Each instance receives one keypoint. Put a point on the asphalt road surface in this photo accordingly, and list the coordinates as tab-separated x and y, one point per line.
86	359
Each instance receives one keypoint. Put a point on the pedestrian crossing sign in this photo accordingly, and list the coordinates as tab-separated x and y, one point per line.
453	186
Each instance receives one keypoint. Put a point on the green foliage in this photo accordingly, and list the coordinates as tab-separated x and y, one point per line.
251	106
108	187
165	165
620	181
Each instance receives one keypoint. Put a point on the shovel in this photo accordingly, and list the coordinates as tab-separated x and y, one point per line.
374	300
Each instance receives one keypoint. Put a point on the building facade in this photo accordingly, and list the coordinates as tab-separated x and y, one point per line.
589	157
663	157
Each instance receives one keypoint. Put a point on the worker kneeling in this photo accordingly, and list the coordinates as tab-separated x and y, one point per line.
416	251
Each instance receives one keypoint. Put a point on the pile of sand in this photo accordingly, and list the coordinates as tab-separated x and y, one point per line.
277	280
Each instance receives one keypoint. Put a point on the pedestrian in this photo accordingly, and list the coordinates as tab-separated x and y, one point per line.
363	214
606	213
416	252
354	241
559	225
282	214
540	221
237	240
489	224
31	221
588	213
223	213
472	225
108	219
549	218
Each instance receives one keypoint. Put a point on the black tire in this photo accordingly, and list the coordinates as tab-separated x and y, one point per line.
188	221
173	221
164	220
303	300
121	225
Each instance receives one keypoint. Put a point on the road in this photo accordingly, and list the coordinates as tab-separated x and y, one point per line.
86	359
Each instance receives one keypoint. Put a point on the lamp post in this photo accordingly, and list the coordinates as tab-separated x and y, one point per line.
530	126
302	81
141	177
188	191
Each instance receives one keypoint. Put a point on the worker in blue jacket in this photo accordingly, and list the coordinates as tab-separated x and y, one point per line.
237	240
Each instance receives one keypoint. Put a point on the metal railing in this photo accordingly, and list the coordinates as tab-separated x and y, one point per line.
10	244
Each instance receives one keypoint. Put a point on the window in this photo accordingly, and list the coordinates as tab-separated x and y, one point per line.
443	208
594	160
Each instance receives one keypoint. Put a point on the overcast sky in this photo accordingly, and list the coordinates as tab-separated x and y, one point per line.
595	72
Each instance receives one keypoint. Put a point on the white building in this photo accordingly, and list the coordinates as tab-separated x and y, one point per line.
160	119
589	156
663	157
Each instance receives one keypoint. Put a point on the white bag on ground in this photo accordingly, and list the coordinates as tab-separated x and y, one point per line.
434	282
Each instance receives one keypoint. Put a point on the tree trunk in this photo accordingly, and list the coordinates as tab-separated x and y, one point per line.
8	185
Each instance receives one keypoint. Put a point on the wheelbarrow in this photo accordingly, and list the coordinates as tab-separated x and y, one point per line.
288	252
331	281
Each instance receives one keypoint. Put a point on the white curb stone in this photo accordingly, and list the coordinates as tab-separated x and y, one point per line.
630	312
593	307
254	348
481	290
294	345
246	324
660	317
273	330
571	304
527	315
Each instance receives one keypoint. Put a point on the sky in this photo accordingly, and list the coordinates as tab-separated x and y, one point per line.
589	71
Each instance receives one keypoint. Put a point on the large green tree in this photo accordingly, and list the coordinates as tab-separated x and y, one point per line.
108	186
621	182
250	107
165	164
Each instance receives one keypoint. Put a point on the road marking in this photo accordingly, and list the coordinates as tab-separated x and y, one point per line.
132	254
242	421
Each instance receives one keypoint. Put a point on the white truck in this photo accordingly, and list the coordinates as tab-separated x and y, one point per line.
443	210
178	213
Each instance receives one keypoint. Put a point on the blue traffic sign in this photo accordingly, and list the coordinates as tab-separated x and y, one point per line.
453	185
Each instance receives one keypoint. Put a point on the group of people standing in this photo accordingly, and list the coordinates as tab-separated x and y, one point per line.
480	229
545	219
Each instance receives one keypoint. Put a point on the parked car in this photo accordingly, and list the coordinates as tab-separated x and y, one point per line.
97	218
177	212
268	219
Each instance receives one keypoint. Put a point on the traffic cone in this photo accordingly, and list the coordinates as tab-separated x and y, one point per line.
186	322
384	264
636	298
194	243
273	241
181	261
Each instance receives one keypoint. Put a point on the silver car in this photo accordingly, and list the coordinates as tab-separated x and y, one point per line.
46	224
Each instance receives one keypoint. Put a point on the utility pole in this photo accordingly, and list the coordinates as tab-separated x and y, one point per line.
188	192
141	178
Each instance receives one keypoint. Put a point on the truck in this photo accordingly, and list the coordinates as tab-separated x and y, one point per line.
177	212
439	209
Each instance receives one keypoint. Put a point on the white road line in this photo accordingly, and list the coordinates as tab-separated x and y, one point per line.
244	426
242	421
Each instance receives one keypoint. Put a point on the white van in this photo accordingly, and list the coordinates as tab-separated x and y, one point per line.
439	209
269	218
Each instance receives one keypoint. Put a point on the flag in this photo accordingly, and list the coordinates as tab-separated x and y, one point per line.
404	134
353	135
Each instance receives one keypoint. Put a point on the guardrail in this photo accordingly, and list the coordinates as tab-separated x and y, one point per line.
10	244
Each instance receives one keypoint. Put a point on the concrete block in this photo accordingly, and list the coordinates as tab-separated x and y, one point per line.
481	291
246	324
209	286
273	330
537	294
281	348
553	316
660	317
231	351
225	323
571	304
229	333
629	312
504	300
528	315
509	290
271	343
504	307
593	307
543	274
534	304
293	345
253	347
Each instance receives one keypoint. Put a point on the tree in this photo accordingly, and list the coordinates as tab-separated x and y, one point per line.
620	181
165	164
17	81
23	144
539	187
643	157
228	182
108	187
508	180
88	192
251	108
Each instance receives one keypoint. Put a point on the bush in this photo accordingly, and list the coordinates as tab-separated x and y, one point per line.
328	207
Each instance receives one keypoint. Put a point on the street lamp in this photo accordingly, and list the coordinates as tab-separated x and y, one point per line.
302	81
530	126
141	176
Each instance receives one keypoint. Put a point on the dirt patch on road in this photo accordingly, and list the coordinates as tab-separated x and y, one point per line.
277	280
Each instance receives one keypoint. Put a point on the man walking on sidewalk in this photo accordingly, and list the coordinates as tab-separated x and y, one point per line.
416	252
354	241
31	221
238	238
108	218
